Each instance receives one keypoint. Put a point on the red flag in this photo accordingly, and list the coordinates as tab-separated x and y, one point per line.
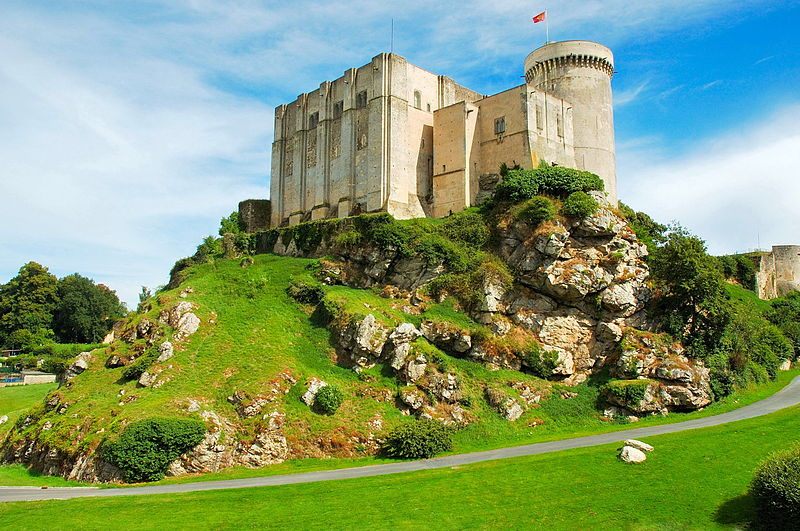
540	17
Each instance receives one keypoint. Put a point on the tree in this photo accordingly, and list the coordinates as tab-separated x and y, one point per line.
692	300
27	302
85	311
230	225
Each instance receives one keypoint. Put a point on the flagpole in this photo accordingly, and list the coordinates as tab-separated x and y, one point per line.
547	27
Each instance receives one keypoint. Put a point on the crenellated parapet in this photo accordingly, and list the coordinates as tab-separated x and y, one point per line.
569	61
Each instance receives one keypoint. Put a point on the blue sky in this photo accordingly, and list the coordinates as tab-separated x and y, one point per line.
127	129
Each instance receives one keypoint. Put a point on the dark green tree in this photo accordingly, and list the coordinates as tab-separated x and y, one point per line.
27	302
690	289
85	311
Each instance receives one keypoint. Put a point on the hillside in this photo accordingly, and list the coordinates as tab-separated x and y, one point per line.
529	318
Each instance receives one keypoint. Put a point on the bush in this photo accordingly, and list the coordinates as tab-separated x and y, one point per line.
739	267
328	399
421	439
541	362
630	392
579	205
537	210
519	185
135	370
305	292
466	227
776	490
147	447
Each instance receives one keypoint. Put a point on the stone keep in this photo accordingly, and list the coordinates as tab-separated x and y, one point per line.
390	136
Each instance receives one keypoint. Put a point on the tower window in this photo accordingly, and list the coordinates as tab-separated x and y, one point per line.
417	100
539	118
500	125
313	120
338	109
429	107
560	125
361	99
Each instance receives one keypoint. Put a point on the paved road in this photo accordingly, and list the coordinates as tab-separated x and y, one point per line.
788	396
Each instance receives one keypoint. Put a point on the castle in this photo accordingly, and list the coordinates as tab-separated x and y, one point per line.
390	136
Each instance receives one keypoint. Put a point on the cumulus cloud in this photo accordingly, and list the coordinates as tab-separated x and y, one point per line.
128	129
736	191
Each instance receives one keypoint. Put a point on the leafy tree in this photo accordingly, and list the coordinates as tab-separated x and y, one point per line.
692	300
27	302
785	313
649	231
85	311
230	225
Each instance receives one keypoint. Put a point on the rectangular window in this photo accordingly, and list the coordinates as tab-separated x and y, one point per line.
338	109
539	118
429	107
313	120
500	125
560	125
361	99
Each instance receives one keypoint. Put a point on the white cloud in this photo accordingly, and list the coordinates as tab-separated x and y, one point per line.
734	190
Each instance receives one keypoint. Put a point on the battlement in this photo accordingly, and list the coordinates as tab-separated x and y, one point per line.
576	54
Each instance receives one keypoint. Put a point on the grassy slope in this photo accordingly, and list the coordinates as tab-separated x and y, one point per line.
259	331
17	399
696	479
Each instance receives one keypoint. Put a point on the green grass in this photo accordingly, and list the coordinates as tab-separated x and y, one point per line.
15	400
749	297
693	480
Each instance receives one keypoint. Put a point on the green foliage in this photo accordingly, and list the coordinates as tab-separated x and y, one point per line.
85	311
305	292
519	185
536	210
579	205
230	225
467	227
649	231
692	302
627	391
27	302
146	448
421	439
465	287
135	370
739	267
347	239
785	314
776	490
539	361
328	399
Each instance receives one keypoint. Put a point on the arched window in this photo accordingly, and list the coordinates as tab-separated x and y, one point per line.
417	99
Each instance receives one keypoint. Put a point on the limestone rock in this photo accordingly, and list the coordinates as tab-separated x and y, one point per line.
80	364
364	339
413	398
147	379
447	336
3	419
165	352
314	385
639	445
629	454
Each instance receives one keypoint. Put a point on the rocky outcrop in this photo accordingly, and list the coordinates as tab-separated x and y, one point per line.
632	455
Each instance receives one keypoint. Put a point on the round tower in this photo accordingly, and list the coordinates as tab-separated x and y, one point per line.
787	268
579	72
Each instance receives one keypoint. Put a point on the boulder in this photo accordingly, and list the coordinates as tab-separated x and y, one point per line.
314	385
629	454
80	364
147	379
639	445
165	351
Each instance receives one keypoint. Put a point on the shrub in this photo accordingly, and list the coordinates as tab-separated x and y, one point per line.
579	205
347	239
147	447
541	362
135	370
537	210
519	185
466	227
421	439
739	267
649	231
629	392
305	292
776	490
328	399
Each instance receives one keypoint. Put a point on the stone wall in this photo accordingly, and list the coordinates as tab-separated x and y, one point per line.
254	214
778	272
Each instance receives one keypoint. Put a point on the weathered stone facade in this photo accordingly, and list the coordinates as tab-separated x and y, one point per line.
778	271
390	136
254	214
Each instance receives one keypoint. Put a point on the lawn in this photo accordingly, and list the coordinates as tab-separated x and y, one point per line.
693	480
15	400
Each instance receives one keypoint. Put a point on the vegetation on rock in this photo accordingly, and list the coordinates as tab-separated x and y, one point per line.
146	448
328	399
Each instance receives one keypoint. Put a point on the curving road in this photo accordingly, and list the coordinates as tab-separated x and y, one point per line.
788	396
